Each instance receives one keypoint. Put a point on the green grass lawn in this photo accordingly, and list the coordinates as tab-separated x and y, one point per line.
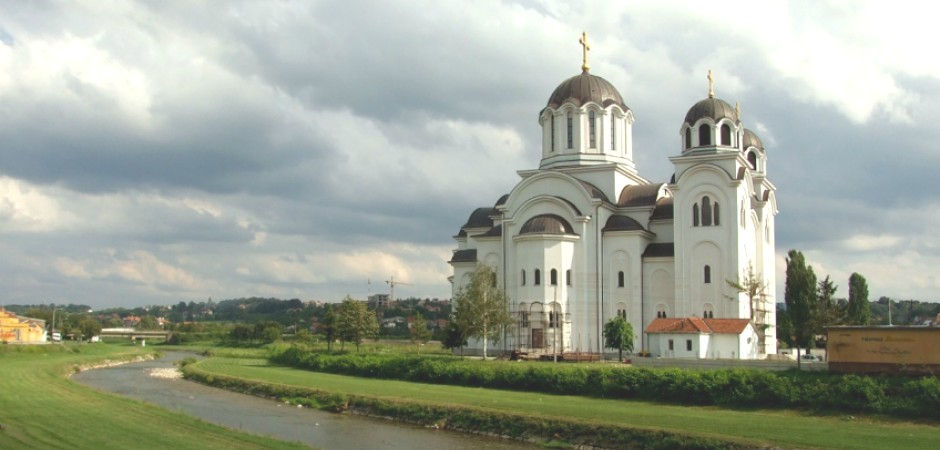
777	428
41	408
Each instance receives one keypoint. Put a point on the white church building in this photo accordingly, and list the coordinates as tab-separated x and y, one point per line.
585	237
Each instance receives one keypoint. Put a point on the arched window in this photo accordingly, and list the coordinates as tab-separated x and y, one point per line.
568	277
725	134
592	125
570	131
620	279
708	312
493	278
538	277
524	319
716	216
704	135
752	159
706	211
552	118
613	131
622	310
553	277
523	277
708	274
695	215
688	138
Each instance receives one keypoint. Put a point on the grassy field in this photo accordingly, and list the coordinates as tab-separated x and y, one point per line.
41	408
784	429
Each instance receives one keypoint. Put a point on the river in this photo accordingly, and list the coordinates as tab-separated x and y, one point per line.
271	418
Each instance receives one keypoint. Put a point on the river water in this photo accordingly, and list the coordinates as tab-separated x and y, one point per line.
268	417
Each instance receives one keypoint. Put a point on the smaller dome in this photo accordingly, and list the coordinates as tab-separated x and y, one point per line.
480	218
713	108
751	140
618	222
584	88
546	224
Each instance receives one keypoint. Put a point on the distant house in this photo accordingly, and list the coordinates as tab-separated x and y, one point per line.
693	337
21	330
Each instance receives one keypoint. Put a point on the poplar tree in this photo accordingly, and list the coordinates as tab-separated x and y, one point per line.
859	312
800	296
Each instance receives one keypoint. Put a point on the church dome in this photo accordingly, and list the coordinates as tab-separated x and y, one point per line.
546	224
713	108
584	88
751	140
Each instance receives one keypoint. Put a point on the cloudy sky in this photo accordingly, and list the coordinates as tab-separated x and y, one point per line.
152	152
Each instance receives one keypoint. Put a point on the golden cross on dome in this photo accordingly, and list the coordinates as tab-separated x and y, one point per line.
587	47
711	85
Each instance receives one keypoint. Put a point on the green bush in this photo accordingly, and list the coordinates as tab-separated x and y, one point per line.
736	388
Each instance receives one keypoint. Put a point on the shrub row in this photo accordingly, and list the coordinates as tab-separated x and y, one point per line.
472	420
742	388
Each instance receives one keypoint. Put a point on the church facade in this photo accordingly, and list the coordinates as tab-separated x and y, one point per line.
584	237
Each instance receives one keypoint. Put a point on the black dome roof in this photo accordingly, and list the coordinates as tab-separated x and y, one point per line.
546	224
751	140
584	88
711	107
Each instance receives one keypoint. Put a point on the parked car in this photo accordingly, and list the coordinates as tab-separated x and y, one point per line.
810	358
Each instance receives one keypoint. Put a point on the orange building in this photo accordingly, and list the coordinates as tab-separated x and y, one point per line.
21	330
894	349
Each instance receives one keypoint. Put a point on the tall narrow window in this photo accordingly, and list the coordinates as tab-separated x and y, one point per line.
493	278
752	159
552	118
706	211
592	126
620	279
695	215
523	277
553	277
688	345
538	277
524	319
613	131
622	313
725	134
568	277
704	135
670	345
570	132
688	138
554	319
707	274
716	216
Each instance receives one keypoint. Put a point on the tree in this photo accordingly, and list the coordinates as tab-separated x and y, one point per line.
89	327
328	327
356	322
454	337
148	323
482	308
800	296
859	312
827	309
755	288
618	334
419	330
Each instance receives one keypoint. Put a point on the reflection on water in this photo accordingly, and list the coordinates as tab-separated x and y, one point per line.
267	417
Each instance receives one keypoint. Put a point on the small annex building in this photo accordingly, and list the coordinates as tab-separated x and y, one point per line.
584	237
694	337
16	329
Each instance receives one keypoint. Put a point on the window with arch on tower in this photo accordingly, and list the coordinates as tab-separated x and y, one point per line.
688	138
704	135
706	214
570	122
552	119
725	134
568	277
752	159
622	313
592	129
553	277
613	131
620	279
523	277
707	274
707	311
538	277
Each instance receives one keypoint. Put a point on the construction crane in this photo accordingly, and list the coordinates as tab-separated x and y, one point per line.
391	284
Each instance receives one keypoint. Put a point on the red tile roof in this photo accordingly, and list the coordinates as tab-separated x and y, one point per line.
696	325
